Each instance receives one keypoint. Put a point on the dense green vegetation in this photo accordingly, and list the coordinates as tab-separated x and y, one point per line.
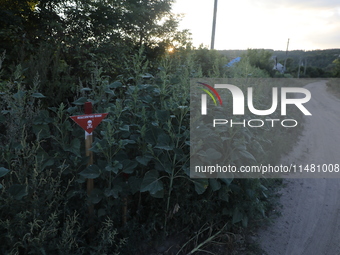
142	187
334	84
57	55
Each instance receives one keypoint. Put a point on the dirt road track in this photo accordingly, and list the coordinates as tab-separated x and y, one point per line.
310	221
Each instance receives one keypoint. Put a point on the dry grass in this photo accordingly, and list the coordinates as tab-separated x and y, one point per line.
333	85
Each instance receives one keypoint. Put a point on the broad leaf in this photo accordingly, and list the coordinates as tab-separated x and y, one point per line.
3	171
80	101
74	147
213	154
19	95
144	160
200	185
43	118
116	84
125	128
209	155
124	142
214	184
223	193
162	115
129	166
48	162
96	196
151	182
114	168
109	91
247	155
85	89
18	191
152	134
158	194
135	184
245	221
114	191
237	215
164	142
38	95
91	172
227	181
41	130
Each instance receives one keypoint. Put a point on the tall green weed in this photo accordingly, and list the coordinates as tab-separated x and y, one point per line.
142	190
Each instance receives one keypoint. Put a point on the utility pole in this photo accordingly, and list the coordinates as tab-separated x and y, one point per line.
298	74
212	45
284	66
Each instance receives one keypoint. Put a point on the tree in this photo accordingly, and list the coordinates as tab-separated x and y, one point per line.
82	31
95	22
15	25
336	68
260	58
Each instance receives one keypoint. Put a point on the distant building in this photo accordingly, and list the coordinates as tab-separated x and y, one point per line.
278	66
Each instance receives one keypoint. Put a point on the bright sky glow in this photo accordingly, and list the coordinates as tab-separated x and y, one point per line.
242	24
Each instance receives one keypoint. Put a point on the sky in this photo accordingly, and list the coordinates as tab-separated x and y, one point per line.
243	24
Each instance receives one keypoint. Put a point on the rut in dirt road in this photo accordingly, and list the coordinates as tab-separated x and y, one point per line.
310	220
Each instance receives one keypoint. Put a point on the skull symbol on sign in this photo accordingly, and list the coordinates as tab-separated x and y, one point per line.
89	124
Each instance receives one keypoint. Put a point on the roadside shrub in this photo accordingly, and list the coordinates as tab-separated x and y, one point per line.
142	189
334	85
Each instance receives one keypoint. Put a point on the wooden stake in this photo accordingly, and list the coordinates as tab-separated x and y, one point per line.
124	210
88	145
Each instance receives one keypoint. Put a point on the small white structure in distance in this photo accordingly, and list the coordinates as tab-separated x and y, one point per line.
278	66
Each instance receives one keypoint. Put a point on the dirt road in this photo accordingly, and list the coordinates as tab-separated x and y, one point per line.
310	221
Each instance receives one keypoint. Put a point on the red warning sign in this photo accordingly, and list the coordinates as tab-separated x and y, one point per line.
89	122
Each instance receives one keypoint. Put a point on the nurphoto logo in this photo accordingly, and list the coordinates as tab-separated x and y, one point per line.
239	104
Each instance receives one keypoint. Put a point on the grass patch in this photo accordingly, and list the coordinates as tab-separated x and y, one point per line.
333	86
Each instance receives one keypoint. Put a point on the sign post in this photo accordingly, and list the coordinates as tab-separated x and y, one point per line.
89	122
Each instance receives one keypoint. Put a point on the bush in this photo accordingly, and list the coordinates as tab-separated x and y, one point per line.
142	190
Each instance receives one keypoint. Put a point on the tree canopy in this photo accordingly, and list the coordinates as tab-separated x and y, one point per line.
87	25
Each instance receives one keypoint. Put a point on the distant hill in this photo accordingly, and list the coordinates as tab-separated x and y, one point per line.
315	58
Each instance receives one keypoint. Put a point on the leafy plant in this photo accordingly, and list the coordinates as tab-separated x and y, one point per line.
142	189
